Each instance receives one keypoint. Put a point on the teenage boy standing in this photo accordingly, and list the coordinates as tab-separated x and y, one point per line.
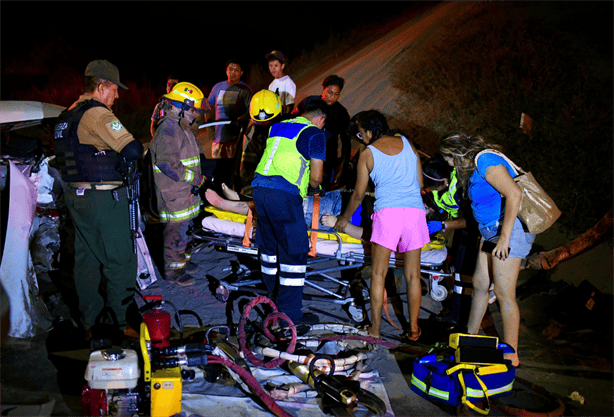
282	85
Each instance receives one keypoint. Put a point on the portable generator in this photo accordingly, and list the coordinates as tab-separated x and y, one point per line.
112	377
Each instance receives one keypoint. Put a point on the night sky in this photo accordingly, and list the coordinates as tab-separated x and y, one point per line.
150	40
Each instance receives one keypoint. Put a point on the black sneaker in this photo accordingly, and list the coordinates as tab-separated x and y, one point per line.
308	318
445	319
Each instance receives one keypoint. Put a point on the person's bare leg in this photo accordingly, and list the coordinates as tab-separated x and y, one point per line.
379	268
329	220
505	277
229	193
240	207
411	268
479	298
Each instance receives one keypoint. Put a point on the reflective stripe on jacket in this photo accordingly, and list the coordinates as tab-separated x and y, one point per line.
175	146
447	200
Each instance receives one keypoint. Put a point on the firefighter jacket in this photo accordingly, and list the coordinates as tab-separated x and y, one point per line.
281	156
175	156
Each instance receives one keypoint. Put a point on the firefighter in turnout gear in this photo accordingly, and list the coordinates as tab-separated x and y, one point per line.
90	144
175	157
265	109
293	160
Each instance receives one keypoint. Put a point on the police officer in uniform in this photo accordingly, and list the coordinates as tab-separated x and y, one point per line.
293	161
90	144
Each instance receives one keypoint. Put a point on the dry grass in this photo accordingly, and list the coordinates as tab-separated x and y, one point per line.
508	58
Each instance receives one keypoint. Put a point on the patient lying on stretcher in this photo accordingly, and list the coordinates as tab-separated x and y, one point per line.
330	207
329	203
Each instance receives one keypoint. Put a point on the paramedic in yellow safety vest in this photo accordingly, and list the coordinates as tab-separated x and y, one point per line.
445	196
446	200
175	156
293	161
440	179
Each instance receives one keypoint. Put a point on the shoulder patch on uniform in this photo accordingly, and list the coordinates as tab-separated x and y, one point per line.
116	126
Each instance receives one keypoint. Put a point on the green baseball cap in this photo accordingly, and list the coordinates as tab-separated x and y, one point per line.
101	68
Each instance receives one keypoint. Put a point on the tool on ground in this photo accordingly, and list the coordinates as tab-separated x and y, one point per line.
340	395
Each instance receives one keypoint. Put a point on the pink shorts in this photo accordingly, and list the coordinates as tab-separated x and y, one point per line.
400	229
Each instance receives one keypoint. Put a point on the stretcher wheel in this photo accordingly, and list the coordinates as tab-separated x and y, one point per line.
365	293
439	293
357	313
222	293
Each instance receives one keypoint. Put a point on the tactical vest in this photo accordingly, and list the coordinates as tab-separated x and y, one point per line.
78	162
281	156
447	200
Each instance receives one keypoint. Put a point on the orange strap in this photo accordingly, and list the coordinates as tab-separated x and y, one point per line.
248	227
315	216
386	311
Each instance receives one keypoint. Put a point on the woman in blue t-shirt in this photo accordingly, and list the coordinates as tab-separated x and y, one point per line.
495	201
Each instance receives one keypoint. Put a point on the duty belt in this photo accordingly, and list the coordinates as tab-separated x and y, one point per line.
111	185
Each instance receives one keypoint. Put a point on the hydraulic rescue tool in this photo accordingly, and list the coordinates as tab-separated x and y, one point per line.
340	396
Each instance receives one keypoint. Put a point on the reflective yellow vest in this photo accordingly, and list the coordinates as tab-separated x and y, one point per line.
447	199
281	156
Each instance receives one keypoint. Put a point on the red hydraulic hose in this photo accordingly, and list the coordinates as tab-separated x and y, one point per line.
252	382
273	317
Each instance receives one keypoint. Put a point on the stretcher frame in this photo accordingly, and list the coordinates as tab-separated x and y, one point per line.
239	278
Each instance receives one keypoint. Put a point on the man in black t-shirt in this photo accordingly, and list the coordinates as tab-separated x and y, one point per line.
337	141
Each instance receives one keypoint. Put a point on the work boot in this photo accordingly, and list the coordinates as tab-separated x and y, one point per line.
192	268
171	277
185	280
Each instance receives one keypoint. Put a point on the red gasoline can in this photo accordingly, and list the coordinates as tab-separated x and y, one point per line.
158	324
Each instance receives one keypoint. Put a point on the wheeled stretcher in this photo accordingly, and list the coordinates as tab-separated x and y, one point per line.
233	233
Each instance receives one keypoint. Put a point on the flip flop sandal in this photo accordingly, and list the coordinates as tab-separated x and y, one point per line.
407	338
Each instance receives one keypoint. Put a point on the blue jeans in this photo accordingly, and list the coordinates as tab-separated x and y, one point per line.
330	203
521	241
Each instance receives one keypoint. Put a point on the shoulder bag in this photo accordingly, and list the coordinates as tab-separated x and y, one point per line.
537	210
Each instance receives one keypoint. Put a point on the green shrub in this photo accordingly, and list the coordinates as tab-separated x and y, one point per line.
484	70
